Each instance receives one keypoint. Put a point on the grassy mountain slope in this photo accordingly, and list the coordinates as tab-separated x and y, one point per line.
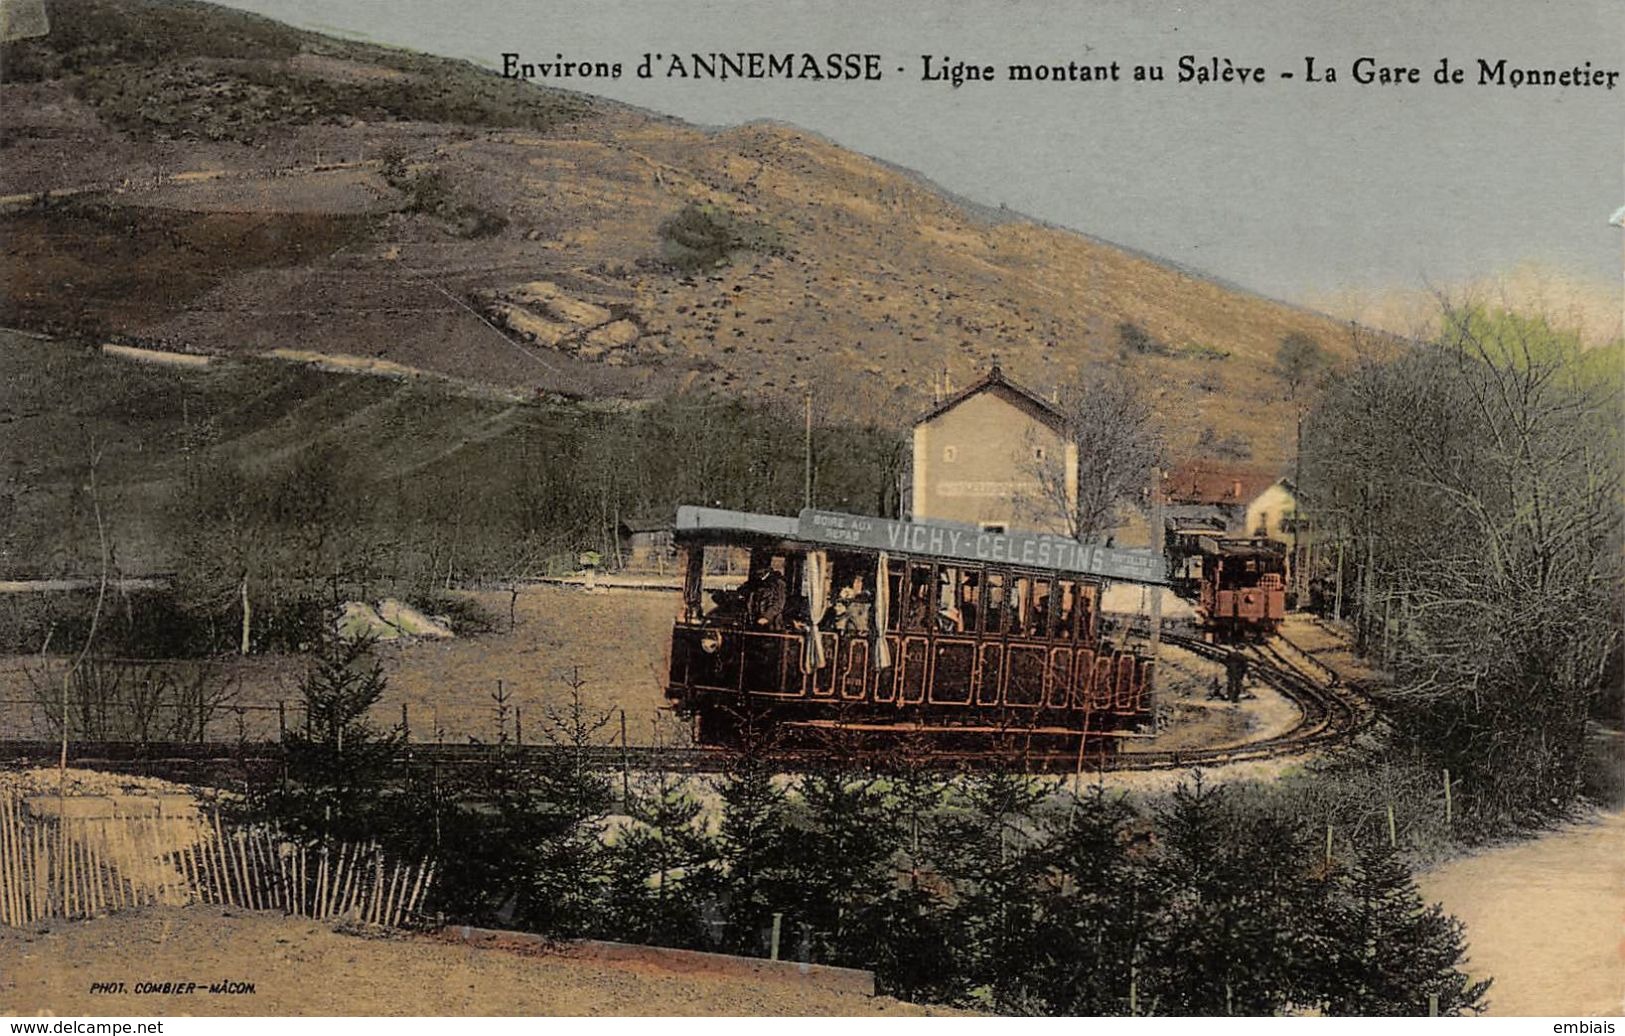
276	189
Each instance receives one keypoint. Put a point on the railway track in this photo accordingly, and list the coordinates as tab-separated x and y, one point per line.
1329	713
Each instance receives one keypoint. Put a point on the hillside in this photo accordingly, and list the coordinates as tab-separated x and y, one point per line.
243	187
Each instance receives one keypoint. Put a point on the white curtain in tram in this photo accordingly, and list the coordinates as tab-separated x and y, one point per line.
882	652
815	587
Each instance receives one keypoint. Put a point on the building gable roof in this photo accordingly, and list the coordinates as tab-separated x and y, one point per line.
1210	483
995	382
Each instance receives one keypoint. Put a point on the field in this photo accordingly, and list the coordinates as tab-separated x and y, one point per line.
615	641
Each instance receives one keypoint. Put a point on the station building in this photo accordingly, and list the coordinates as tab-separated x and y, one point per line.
994	455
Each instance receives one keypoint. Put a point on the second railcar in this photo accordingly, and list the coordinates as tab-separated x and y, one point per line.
1242	595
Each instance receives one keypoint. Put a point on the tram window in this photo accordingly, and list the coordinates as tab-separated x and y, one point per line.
1038	616
850	594
959	601
1088	595
1066	598
918	611
997	595
691	562
1018	607
896	600
763	599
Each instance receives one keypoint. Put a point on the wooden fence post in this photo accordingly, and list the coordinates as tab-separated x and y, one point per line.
626	767
7	916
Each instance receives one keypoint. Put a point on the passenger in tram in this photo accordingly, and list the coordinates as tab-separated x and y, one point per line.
728	607
854	609
1063	626
1038	618
920	614
860	613
798	612
1017	613
764	595
967	606
959	616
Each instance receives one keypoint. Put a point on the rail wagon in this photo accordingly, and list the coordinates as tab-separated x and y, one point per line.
838	629
1242	595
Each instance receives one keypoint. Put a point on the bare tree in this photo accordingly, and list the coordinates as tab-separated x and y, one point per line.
1112	423
1299	359
1299	362
1477	477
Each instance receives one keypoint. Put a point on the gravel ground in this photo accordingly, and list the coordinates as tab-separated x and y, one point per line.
47	781
300	967
1544	919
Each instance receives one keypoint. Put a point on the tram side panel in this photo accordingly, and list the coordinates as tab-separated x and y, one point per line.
934	683
936	678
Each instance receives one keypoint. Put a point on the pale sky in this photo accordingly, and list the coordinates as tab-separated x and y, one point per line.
1296	190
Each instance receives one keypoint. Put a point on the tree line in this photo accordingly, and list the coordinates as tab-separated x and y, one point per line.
1469	485
282	535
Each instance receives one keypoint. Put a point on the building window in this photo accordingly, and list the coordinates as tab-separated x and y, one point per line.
950	453
1038	453
996	528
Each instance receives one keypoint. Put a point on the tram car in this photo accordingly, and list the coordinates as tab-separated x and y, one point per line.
1182	547
870	634
1242	593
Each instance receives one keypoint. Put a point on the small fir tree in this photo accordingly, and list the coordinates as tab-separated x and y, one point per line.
1094	924
1394	951
841	868
339	765
567	878
753	842
992	848
661	868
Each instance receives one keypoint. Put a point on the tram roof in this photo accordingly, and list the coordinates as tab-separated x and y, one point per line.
1242	547
946	540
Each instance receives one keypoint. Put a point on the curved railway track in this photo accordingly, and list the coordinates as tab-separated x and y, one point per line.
1330	712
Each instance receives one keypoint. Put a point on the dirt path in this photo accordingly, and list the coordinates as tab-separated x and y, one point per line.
1545	918
300	967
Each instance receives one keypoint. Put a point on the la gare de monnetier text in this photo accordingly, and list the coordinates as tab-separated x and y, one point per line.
1188	68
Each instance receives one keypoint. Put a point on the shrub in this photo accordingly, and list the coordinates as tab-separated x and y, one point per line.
1134	340
701	237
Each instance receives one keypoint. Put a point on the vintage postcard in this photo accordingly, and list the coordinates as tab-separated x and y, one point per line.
811	508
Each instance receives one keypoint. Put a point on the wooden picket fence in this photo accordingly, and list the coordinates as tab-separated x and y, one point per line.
80	868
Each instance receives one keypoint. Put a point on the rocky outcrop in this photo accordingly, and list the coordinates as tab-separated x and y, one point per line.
542	313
